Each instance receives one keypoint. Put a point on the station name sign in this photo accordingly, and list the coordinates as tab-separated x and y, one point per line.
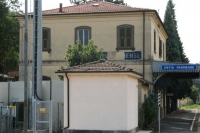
179	67
136	55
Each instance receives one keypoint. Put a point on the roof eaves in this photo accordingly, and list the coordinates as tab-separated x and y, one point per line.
161	22
95	71
52	14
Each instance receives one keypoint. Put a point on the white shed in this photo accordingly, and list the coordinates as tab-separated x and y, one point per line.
100	97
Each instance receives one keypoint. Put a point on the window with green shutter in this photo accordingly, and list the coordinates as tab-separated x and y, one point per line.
46	39
160	47
155	41
125	37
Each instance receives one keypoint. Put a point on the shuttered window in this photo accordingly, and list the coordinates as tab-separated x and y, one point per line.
154	41
125	37
160	47
46	39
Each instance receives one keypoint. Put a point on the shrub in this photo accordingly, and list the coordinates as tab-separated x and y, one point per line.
150	109
186	101
194	93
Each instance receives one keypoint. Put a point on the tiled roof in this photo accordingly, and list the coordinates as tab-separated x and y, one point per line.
94	7
98	66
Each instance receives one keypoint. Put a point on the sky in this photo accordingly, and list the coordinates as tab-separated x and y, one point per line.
187	17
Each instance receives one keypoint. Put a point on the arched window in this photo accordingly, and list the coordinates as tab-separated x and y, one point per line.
82	34
46	39
125	37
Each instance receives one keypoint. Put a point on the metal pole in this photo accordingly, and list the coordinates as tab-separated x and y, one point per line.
26	69
159	99
158	119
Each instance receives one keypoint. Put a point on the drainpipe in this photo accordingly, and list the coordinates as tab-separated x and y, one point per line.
8	93
67	103
50	90
143	45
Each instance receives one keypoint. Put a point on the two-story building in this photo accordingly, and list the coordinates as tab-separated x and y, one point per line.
129	36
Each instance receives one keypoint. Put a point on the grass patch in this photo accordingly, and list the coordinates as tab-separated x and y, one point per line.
194	106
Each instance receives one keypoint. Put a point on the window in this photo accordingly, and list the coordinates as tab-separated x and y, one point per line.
160	47
163	51
155	41
125	37
82	34
46	39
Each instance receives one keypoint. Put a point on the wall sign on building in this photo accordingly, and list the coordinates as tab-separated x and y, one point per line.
136	55
179	67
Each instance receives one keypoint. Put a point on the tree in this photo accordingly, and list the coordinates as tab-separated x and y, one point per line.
194	93
9	35
84	1
79	54
175	51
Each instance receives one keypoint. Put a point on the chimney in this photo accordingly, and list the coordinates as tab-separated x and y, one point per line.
60	10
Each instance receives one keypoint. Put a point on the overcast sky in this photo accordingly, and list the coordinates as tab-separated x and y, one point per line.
187	15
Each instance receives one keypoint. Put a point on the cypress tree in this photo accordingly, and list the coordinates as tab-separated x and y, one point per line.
175	52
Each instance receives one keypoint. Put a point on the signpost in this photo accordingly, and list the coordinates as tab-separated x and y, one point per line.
159	100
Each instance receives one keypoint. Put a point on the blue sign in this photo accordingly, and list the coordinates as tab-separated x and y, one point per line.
136	55
179	67
105	55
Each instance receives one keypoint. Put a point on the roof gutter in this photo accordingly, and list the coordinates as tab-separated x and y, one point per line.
133	72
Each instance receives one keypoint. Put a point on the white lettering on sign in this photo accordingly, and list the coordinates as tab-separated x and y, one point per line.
132	55
185	67
179	67
169	67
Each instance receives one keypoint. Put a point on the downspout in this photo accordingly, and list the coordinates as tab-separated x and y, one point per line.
50	90
8	93
67	102
143	45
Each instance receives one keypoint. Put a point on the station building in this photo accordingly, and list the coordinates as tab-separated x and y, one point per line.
130	36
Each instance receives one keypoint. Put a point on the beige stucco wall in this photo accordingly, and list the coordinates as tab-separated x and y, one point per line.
102	101
104	34
155	55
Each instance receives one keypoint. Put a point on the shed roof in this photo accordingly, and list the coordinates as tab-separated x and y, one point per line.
98	66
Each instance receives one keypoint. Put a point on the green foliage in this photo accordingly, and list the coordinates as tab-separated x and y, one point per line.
9	35
186	102
180	88
193	106
194	93
79	54
150	109
175	51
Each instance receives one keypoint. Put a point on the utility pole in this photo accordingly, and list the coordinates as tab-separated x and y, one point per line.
26	91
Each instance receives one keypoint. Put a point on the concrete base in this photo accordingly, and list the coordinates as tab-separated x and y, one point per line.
144	131
98	131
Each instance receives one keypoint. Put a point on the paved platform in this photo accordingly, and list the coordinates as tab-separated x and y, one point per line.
182	121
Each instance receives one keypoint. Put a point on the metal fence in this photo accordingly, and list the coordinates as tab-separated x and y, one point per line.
42	117
7	123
